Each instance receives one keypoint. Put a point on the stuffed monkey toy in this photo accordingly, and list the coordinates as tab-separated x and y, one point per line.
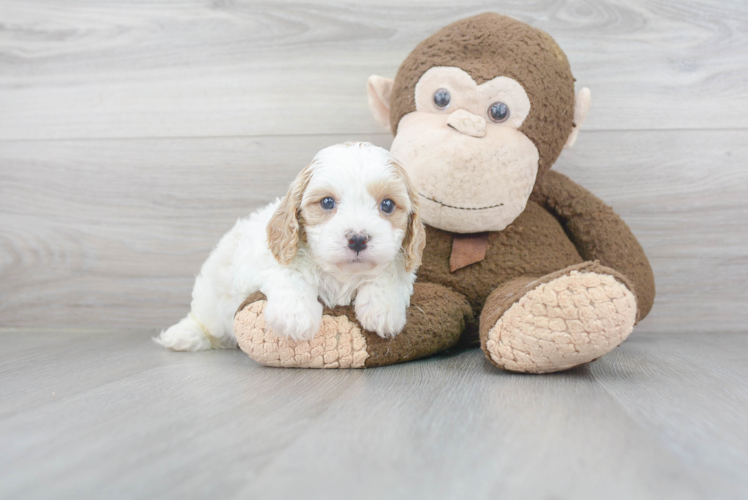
518	258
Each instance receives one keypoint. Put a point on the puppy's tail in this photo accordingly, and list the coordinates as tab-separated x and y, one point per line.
187	335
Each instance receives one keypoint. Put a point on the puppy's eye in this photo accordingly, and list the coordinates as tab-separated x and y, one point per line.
327	203
498	112
442	98
387	206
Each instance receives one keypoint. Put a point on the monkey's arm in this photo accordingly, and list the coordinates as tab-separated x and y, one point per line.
436	319
598	233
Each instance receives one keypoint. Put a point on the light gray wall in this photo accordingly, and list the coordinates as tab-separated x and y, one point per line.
133	134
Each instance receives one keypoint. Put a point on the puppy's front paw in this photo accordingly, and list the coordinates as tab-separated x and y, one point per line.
296	319
385	318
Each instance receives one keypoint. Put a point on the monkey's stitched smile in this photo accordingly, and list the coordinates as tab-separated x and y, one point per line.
459	208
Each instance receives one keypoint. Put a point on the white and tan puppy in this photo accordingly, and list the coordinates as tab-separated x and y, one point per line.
348	230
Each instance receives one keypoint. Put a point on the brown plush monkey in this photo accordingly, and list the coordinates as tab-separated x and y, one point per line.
541	271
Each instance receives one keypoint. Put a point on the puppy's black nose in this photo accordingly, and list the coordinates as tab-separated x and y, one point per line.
357	242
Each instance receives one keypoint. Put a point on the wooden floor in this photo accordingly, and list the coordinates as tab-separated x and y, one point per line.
133	134
104	414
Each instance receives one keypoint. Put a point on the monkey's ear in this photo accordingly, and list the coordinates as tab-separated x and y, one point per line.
379	90
581	107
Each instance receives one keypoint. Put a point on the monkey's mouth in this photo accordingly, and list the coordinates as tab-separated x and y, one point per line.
459	208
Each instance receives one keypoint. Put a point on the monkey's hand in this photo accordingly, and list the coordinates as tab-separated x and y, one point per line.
437	317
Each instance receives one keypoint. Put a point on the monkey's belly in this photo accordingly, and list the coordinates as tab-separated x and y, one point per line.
535	244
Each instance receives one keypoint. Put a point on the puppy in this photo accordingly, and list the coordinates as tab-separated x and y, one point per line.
347	230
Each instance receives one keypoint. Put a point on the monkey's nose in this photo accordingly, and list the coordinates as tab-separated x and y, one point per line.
357	241
467	123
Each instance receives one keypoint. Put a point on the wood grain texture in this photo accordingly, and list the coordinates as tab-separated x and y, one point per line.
661	417
213	107
123	226
111	232
245	68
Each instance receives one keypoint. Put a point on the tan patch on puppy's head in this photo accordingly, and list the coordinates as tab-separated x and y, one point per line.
312	213
396	191
406	215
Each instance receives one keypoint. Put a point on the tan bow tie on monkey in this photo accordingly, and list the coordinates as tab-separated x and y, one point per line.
547	274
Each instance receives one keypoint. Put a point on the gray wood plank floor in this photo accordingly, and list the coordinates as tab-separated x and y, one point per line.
108	414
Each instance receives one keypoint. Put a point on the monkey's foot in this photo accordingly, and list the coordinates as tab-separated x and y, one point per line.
558	322
339	343
435	321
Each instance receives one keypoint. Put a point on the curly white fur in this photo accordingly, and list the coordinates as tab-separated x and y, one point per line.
277	251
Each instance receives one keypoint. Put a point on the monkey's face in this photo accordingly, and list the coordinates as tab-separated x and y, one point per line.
463	150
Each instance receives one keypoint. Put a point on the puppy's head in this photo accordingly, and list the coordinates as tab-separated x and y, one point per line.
355	207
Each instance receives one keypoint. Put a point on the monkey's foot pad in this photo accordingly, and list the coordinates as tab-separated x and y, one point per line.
571	320
339	343
435	320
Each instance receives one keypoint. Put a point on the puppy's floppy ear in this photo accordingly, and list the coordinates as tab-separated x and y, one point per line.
415	239
284	227
415	234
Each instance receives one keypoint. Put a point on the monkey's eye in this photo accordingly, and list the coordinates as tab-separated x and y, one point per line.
327	203
387	206
498	112
442	98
